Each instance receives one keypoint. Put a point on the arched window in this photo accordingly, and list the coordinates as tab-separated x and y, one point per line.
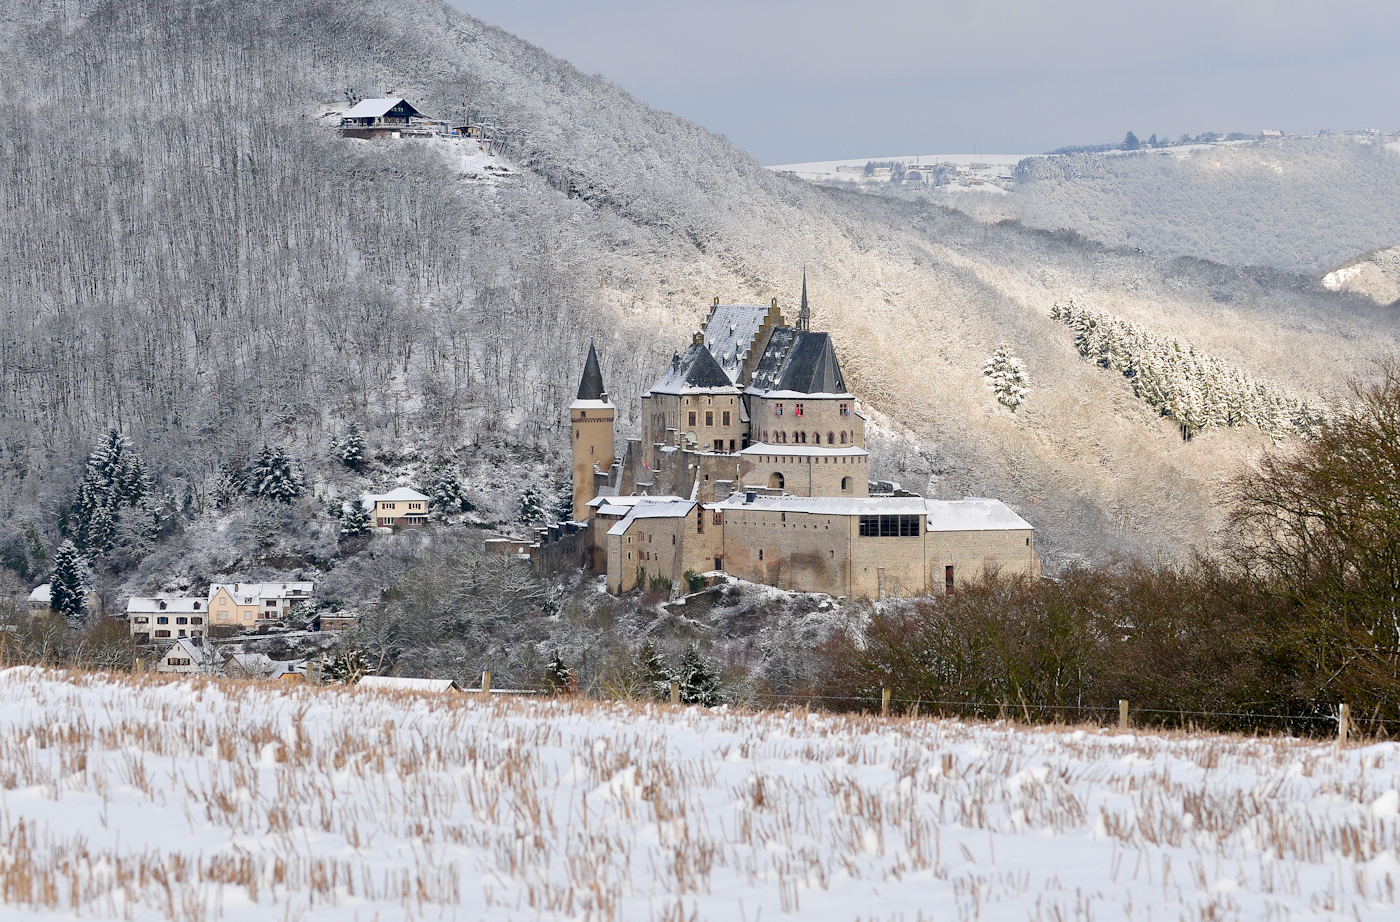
816	438
776	481
843	438
845	484
800	437
831	438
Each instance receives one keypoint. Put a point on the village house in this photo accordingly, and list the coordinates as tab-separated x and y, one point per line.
165	618
187	656
41	602
752	461
402	506
393	117
246	605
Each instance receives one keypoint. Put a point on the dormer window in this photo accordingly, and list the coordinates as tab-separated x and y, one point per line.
162	606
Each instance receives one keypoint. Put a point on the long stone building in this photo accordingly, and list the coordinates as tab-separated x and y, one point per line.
752	462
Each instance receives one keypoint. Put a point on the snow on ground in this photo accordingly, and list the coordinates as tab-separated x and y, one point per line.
145	799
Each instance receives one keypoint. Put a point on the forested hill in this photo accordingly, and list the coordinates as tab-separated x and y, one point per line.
190	253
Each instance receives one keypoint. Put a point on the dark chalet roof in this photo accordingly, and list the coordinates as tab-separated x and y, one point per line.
801	362
696	370
590	386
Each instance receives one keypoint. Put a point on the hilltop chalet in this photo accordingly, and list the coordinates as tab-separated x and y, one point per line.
401	506
752	461
387	118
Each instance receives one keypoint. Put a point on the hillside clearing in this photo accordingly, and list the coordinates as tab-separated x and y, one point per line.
193	800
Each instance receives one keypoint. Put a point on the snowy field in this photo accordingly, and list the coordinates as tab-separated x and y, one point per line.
198	800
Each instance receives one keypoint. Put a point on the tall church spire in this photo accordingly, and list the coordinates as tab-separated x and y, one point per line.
804	315
590	387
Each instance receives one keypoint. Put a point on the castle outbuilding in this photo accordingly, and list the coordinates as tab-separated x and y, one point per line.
752	461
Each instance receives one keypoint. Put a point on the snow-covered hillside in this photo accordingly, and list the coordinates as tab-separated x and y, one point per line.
201	800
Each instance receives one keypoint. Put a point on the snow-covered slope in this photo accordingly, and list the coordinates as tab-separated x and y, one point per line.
201	800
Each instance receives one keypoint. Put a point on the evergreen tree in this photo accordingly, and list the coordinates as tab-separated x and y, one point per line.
559	677
68	584
1131	142
699	679
564	505
448	495
356	520
350	451
113	477
347	667
531	504
274	476
652	673
1007	377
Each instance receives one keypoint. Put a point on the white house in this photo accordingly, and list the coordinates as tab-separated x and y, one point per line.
402	506
41	601
187	656
164	618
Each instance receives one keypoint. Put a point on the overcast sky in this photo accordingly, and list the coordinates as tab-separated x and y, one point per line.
824	80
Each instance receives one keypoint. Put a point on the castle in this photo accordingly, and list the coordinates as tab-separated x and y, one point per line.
752	461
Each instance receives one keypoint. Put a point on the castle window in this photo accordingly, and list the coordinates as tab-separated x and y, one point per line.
726	417
816	438
699	520
843	438
692	418
845	484
889	526
709	417
731	446
845	409
777	409
797	409
831	438
760	556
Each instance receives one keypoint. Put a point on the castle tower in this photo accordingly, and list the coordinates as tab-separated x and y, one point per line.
591	417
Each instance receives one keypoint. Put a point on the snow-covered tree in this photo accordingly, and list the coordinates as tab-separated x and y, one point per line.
564	505
1006	376
356	520
350	450
272	475
68	584
559	677
347	667
113	478
448	495
531	504
699	679
652	672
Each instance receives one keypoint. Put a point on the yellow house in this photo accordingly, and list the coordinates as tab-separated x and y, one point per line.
246	605
403	506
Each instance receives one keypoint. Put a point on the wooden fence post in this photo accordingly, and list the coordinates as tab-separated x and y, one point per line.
1122	714
885	703
675	693
486	684
1343	719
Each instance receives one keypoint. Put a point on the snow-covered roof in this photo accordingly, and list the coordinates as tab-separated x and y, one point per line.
394	683
694	371
630	501
756	391
592	405
198	654
375	108
42	593
179	605
970	514
397	495
766	448
729	334
248	593
669	509
799	361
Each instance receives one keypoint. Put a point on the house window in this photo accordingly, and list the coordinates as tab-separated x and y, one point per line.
247	616
388	505
726	417
196	621
797	409
709	417
162	633
147	620
692	419
162	620
223	616
182	620
162	606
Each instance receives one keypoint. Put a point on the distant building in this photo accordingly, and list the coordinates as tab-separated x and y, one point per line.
41	602
387	118
394	683
247	605
1270	133
187	656
403	506
165	618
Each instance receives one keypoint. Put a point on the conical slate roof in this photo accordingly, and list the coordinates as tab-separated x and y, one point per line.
801	362
590	387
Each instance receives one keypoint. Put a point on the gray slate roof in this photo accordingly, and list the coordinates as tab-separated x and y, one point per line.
802	362
590	386
696	370
729	333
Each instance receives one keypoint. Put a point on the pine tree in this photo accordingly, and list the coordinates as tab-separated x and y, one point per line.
531	504
1007	377
564	505
356	520
448	495
559	677
113	477
652	673
68	584
350	451
274	476
347	667
699	679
